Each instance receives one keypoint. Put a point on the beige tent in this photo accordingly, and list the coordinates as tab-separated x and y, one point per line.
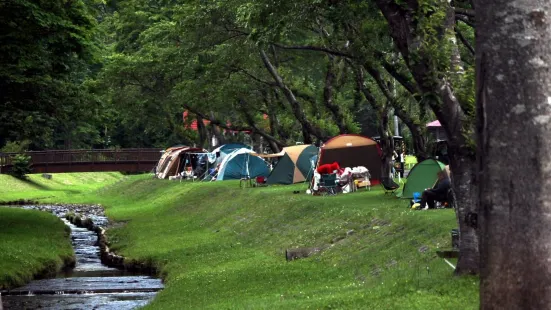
294	165
174	162
165	157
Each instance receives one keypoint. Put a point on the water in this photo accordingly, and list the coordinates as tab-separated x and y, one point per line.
89	285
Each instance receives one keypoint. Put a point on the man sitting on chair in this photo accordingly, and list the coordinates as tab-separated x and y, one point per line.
438	193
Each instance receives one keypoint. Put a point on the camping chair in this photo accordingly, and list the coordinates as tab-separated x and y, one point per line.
389	185
245	181
328	184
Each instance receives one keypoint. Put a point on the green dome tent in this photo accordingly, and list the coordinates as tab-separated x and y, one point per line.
295	165
421	176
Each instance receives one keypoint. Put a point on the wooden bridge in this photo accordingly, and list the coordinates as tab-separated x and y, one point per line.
57	161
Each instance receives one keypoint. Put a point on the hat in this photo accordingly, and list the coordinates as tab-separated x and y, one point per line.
416	197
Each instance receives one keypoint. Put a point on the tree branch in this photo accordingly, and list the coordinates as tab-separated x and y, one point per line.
466	12
314	48
464	40
217	122
307	128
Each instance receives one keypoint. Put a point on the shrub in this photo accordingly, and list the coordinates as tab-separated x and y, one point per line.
21	166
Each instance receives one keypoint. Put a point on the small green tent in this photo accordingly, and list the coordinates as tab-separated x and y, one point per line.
294	166
422	176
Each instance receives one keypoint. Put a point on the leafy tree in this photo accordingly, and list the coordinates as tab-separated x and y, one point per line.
45	48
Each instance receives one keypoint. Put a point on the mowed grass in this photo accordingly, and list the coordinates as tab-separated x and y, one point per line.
60	186
31	243
221	247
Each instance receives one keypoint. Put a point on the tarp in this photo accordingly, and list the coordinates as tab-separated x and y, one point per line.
242	163
353	151
422	176
294	166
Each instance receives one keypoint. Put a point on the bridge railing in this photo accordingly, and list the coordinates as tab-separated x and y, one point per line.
85	156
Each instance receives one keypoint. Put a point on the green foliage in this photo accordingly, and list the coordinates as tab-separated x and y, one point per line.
45	49
16	146
21	166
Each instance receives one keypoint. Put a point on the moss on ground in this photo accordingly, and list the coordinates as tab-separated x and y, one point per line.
219	246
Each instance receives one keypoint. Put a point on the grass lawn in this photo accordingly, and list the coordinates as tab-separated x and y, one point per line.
31	242
219	246
60	186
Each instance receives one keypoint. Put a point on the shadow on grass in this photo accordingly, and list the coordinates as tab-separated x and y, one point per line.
35	185
49	189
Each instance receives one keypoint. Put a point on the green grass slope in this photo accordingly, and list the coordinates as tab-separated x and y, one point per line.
59	187
222	247
31	243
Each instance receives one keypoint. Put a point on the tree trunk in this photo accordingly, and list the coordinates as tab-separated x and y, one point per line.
402	20
514	125
463	181
414	127
387	141
202	130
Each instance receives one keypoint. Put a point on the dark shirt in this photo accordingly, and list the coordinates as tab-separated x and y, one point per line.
442	187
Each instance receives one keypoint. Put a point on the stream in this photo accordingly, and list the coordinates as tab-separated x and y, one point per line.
90	284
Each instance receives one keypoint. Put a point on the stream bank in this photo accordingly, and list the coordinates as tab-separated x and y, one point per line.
90	284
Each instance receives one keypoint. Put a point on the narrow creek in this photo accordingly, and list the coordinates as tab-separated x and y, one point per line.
90	284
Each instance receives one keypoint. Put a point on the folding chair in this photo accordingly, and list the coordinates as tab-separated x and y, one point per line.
328	184
389	185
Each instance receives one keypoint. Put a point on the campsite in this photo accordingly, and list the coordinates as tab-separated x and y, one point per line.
373	154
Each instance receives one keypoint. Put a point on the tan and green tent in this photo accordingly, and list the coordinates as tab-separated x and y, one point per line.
295	165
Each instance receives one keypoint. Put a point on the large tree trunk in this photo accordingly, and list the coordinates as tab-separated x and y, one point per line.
463	168
514	125
402	20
